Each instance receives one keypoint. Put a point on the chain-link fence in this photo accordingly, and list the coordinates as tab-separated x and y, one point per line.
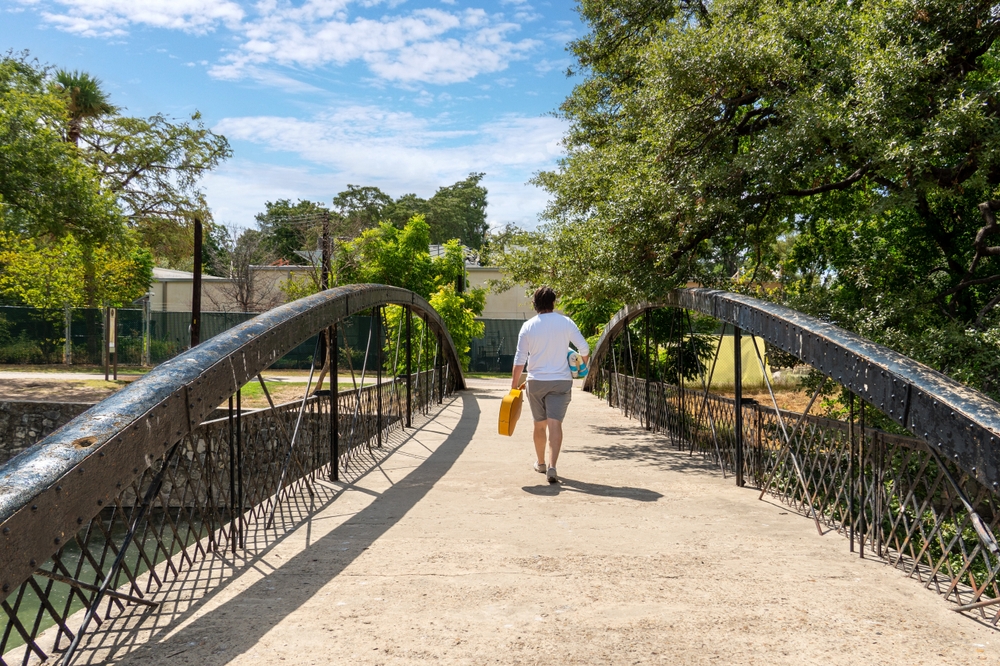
33	336
494	352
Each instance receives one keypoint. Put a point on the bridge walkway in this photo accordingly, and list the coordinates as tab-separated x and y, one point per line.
453	550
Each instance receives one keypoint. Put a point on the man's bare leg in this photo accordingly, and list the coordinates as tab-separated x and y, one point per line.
539	437
555	439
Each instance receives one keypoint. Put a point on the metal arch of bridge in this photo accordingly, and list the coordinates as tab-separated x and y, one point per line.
961	422
927	504
119	453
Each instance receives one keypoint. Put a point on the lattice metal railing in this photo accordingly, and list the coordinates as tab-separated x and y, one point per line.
900	498
221	480
213	486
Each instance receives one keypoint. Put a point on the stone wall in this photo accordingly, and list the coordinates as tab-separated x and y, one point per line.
24	422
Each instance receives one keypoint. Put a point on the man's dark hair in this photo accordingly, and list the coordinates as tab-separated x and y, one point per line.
544	299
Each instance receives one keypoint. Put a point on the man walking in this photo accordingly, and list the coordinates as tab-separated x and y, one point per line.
544	341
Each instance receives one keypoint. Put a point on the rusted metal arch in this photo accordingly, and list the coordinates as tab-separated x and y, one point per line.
47	492
962	424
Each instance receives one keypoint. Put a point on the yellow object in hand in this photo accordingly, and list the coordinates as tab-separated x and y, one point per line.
510	411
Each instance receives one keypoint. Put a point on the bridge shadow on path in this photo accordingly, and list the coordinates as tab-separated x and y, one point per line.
635	444
261	606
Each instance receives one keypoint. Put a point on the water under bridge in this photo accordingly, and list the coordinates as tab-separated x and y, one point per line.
389	523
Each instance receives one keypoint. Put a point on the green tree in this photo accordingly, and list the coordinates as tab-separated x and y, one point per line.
153	167
47	277
289	227
360	208
45	191
459	211
455	211
848	150
84	99
400	257
387	255
124	274
50	275
459	312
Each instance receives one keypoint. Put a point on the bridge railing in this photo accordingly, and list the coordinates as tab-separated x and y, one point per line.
203	490
907	500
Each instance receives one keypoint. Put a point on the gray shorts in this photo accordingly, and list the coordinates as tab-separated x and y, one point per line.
549	399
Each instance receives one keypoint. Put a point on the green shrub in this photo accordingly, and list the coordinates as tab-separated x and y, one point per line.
21	350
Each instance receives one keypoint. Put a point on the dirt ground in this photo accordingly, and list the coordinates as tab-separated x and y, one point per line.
792	400
59	390
454	551
95	390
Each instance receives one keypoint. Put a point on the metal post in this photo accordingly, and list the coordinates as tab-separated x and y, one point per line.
107	316
738	400
409	370
439	357
232	479
334	346
114	338
239	464
649	419
68	344
427	373
378	373
196	286
209	492
147	331
681	411
850	469
861	485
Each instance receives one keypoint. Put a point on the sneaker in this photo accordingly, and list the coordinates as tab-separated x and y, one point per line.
538	467
551	475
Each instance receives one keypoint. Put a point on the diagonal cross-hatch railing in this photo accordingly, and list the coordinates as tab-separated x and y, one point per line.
172	468
926	503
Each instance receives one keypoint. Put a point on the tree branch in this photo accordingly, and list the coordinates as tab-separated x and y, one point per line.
986	310
969	283
957	174
987	209
841	185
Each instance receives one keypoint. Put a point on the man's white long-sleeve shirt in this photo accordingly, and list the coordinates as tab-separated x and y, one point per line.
544	340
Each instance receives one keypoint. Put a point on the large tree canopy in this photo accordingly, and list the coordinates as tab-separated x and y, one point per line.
45	191
153	167
848	150
287	227
455	211
80	181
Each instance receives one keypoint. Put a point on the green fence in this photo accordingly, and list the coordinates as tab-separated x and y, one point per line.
494	352
32	336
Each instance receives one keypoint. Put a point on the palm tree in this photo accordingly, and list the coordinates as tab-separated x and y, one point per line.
85	99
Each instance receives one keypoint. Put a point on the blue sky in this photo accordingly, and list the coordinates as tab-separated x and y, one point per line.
408	95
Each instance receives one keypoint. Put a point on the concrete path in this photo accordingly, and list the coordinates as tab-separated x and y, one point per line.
454	551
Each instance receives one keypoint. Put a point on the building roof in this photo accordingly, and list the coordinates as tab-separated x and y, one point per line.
171	275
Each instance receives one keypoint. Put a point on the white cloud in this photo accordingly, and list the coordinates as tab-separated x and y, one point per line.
438	46
371	141
108	18
398	152
426	45
238	190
